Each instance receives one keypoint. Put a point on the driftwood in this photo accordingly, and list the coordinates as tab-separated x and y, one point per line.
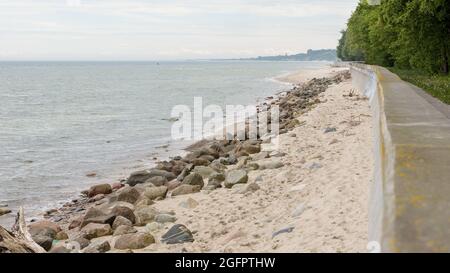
19	240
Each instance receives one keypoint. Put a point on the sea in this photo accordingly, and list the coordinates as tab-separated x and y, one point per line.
65	126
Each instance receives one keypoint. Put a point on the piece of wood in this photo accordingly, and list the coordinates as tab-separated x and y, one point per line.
19	240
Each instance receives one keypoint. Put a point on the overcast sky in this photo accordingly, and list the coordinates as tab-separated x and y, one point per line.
167	29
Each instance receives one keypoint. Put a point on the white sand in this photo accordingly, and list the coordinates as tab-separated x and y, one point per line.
334	198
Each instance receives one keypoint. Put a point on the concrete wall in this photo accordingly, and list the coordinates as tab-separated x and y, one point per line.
410	196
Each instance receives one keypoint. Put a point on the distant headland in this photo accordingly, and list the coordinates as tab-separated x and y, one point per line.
310	55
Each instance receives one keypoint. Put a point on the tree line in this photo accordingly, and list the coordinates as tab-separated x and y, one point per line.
408	34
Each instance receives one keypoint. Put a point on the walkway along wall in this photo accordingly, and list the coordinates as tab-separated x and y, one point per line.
410	196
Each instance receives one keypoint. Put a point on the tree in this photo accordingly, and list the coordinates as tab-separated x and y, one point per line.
404	33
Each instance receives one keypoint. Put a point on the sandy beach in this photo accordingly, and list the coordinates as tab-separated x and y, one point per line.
310	195
321	192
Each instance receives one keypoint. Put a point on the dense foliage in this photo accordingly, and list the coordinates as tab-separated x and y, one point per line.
408	34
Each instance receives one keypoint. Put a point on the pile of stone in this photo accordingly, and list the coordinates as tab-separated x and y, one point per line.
115	212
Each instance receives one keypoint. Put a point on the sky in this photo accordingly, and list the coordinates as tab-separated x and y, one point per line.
167	29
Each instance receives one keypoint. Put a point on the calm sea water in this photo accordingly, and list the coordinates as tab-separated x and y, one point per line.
60	121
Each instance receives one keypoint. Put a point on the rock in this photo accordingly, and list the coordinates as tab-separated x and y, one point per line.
189	203
43	233
252	166
218	167
259	178
97	216
93	230
281	231
121	221
81	242
165	218
334	141
97	198
252	187
129	194
185	172
134	241
43	240
99	189
235	177
60	236
270	164
232	160
145	215
200	162
193	179
299	210
138	177
59	249
209	158
173	184
177	234
144	202
49	212
277	154
204	171
242	161
157	180
168	175
330	130
261	155
238	188
216	179
117	185
251	149
44	224
124	212
100	247
124	229
153	226
155	192
186	189
75	223
314	166
4	211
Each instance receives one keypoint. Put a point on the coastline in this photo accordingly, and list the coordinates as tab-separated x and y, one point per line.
240	201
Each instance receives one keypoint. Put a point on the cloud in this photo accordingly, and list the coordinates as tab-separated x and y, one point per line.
164	28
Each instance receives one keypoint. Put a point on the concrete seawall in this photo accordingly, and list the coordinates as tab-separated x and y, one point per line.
410	197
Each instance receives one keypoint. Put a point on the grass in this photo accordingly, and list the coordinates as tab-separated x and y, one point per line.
436	85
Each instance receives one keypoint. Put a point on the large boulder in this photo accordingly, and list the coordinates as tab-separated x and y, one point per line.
94	215
99	189
93	230
234	177
121	221
134	241
157	181
251	149
153	193
194	179
128	194
44	232
141	177
138	177
186	189
100	247
121	230
124	212
145	215
168	175
200	162
204	171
